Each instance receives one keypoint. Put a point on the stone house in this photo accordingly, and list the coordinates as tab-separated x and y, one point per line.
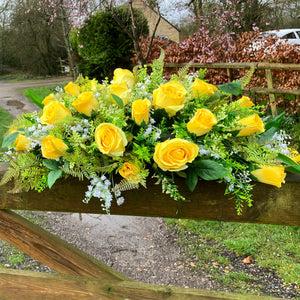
165	28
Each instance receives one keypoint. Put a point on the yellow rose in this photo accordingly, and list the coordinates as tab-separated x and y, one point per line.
170	96
173	155
270	175
140	111
72	89
201	88
119	89
130	172
244	102
123	75
86	103
202	122
250	125
22	143
110	139
54	111
48	99
53	148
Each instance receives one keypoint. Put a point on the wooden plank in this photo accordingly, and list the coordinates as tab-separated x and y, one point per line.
272	98
238	65
272	205
51	250
260	90
34	285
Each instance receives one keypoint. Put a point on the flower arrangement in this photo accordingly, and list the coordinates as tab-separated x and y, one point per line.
140	125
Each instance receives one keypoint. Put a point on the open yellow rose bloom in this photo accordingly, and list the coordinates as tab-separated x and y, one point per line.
173	155
170	96
110	139
86	103
53	148
202	122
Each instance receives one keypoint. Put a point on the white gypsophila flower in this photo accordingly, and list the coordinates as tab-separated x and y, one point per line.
117	193
285	151
203	151
152	121
268	146
148	130
157	134
120	200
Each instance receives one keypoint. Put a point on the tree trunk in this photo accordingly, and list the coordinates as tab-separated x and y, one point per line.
65	28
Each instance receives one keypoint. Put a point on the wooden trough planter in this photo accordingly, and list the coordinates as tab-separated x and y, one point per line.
83	277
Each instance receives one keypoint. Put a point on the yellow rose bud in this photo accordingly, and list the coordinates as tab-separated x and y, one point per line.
119	89
22	143
123	75
250	125
270	175
244	102
140	111
53	148
86	103
130	172
72	89
48	99
202	122
170	96
54	111
201	88
110	139
173	155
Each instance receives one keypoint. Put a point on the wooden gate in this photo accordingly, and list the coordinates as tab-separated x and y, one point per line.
82	276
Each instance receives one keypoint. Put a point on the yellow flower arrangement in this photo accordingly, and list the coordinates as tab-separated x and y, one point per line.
140	124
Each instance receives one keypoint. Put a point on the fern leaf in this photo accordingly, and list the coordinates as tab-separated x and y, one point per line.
183	71
247	77
125	185
9	175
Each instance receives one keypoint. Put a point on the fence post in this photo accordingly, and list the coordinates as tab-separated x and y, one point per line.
272	97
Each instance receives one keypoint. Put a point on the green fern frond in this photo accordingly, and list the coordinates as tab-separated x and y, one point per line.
125	185
74	172
182	72
247	77
10	174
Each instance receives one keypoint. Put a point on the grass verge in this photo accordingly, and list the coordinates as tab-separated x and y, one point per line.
5	120
220	248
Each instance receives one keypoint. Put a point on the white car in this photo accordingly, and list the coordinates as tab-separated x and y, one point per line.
283	36
291	36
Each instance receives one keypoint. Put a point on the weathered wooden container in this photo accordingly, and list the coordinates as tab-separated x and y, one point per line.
83	277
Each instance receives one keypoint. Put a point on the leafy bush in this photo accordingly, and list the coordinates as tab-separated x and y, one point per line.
102	45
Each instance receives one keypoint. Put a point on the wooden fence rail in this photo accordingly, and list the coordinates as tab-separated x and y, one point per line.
268	67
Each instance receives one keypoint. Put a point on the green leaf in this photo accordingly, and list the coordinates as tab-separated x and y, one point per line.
51	164
287	160
9	140
275	122
233	88
191	178
210	169
293	169
53	176
118	100
268	134
35	98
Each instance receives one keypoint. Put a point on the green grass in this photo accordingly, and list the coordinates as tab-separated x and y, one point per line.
41	91
269	246
5	120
